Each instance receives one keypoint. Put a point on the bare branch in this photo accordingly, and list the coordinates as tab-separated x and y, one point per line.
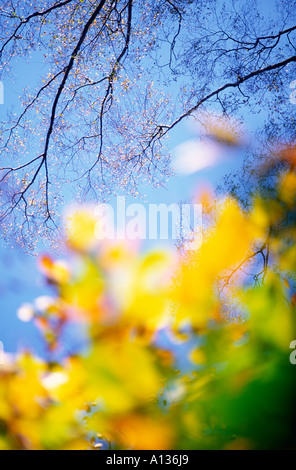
26	20
235	84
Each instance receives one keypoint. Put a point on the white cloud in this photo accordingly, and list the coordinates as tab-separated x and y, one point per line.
193	155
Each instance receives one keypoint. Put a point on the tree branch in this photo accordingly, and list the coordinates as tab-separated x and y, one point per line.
34	15
59	92
235	84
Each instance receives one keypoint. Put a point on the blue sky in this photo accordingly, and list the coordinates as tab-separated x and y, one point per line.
20	280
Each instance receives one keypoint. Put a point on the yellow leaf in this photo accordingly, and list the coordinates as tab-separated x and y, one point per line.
80	229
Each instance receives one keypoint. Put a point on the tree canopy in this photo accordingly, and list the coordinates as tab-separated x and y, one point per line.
182	349
118	77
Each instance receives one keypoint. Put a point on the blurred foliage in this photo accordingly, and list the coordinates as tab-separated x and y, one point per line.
232	302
